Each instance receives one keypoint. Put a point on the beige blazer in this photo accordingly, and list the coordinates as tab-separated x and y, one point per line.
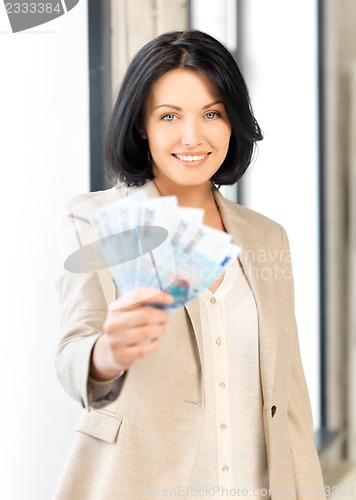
145	441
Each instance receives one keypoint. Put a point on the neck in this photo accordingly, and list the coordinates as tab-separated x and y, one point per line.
189	196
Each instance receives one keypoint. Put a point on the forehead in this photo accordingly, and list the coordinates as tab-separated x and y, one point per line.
181	87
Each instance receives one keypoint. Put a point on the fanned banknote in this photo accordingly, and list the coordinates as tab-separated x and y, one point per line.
152	242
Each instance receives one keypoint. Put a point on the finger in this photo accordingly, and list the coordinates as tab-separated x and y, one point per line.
130	354
135	336
140	296
120	321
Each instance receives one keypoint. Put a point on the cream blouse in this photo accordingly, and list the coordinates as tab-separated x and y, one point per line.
232	452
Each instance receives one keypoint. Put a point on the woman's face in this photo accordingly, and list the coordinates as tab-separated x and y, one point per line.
187	129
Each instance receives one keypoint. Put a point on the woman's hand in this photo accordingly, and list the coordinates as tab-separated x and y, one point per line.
132	330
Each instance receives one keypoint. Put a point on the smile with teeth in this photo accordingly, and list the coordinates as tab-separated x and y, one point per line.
190	157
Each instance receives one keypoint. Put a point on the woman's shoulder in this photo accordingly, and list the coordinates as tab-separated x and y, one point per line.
246	215
252	215
251	228
85	204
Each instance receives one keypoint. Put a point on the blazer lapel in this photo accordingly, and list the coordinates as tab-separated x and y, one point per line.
239	223
193	311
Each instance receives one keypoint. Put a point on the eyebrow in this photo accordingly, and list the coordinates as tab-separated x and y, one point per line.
180	109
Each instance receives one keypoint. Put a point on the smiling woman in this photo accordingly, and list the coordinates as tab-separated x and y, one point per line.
191	132
212	397
224	88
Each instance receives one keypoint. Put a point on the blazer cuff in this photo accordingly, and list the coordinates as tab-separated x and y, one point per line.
102	392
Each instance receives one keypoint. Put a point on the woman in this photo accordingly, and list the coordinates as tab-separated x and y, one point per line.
210	400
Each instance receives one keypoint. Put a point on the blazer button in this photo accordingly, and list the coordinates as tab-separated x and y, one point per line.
273	410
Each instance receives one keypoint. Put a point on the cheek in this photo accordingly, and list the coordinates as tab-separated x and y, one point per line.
223	134
161	141
224	140
228	132
156	147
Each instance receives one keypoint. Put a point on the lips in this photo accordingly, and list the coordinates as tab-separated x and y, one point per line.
191	157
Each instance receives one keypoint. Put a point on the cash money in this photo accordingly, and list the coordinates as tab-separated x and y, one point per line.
152	242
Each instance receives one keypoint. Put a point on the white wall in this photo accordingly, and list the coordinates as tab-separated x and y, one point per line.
44	158
218	18
279	61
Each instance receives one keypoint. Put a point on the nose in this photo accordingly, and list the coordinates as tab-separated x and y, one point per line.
191	133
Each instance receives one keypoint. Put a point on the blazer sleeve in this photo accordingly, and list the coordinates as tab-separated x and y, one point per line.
85	289
307	471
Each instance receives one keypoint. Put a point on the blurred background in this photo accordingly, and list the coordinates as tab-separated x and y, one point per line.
58	85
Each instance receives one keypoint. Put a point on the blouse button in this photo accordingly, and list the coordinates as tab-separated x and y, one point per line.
222	385
223	427
213	300
218	341
225	468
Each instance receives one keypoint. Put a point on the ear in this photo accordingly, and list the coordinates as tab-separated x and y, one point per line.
141	130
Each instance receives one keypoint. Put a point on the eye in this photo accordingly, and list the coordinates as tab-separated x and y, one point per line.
212	114
168	118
